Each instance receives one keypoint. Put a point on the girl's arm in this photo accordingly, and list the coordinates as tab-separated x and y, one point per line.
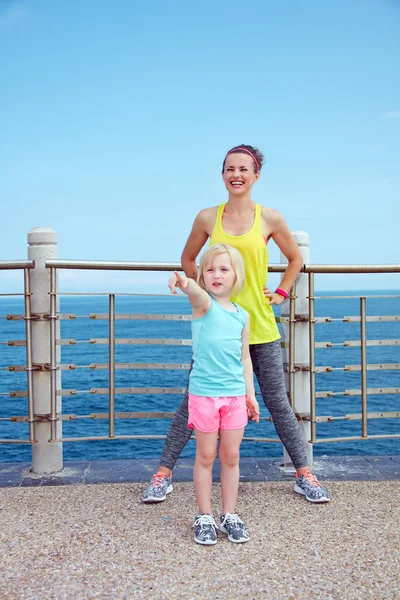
253	409
198	298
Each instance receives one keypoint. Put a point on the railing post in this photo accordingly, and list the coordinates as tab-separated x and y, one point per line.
46	457
301	392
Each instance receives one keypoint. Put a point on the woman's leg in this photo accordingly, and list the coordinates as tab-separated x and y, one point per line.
206	446
177	437
228	453
268	368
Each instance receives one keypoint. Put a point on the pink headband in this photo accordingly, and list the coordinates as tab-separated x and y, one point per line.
248	152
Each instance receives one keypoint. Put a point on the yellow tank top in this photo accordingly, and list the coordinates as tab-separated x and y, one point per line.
252	246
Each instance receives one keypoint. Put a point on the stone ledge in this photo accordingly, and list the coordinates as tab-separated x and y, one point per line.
331	468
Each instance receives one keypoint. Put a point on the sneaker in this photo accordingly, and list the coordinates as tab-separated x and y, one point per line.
160	486
205	530
235	528
309	486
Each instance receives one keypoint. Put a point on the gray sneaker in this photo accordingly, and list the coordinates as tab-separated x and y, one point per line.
233	525
309	486
205	530
160	486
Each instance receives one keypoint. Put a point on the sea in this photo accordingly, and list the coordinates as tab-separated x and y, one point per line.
82	378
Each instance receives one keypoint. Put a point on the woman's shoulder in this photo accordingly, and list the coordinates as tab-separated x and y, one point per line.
206	214
271	218
205	219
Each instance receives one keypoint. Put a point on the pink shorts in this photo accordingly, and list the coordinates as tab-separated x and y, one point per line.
210	413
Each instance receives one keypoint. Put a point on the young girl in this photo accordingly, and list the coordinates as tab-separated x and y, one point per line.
248	227
221	388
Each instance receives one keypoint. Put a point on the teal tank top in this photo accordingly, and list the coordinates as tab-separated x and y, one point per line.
217	352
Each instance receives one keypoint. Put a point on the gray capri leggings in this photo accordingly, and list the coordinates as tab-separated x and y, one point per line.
268	368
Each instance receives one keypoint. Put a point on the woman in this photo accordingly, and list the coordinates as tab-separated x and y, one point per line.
248	227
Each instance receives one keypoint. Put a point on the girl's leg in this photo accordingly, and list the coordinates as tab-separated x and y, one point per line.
228	453
206	445
268	368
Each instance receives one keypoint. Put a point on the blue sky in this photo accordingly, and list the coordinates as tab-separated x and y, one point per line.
115	119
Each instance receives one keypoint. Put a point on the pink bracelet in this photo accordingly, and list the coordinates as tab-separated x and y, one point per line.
281	293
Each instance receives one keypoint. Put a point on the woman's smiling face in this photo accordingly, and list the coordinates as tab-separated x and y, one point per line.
238	174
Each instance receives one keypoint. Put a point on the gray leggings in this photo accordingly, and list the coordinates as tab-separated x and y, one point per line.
268	368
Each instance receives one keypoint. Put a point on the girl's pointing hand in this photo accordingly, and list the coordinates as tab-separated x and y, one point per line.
177	281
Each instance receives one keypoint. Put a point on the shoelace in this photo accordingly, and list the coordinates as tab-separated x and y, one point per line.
234	519
204	520
312	479
157	480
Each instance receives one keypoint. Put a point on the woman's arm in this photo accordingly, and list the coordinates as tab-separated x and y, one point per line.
279	232
201	229
253	409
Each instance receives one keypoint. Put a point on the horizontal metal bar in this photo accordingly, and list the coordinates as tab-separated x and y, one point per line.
357	417
17	264
181	390
134	390
357	343
105	438
139	317
373	391
375	319
146	437
130	266
11	296
372	367
138	341
141	366
355	438
162	266
16	442
99	366
120	366
101	416
176	342
104	341
356	297
370	391
388	268
186	366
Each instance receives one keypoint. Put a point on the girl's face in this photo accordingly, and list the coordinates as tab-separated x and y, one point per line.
219	276
238	174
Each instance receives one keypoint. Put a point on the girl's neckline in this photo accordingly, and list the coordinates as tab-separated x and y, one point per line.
243	234
231	312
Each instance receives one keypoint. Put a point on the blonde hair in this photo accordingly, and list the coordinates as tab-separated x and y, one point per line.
237	263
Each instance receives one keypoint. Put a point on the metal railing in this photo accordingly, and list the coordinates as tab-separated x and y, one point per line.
292	368
24	265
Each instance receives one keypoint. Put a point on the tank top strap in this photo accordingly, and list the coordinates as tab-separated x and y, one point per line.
258	225
218	220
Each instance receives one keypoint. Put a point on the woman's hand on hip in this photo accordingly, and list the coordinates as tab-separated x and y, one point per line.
273	297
